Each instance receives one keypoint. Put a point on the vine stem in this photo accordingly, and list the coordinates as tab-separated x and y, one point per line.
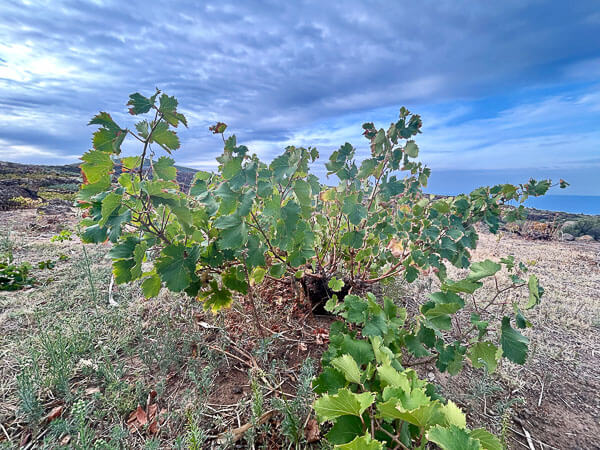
252	302
393	438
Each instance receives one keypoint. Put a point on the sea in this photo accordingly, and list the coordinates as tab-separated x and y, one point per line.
577	204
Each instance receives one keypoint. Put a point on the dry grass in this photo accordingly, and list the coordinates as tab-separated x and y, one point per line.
210	373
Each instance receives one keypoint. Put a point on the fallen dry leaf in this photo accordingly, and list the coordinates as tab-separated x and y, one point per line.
54	414
321	335
137	419
92	390
141	416
153	428
312	432
152	410
65	440
302	346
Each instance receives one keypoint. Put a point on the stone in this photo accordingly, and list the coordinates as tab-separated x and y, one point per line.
55	207
585	238
567	237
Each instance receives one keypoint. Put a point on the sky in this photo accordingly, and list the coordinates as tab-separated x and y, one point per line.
506	90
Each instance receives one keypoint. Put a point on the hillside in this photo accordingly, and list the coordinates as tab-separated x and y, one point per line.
38	182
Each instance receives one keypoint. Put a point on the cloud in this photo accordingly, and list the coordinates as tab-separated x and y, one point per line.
290	72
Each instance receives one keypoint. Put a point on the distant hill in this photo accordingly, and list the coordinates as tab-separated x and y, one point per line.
36	182
48	182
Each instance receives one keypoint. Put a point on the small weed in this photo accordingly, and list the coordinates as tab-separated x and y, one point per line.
7	246
88	272
60	352
295	411
64	235
195	437
27	390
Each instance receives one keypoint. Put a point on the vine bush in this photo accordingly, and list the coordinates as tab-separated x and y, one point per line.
251	220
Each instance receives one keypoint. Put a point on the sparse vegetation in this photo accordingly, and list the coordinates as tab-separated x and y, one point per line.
587	226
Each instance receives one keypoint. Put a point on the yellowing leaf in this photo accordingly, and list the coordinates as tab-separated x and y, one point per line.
396	248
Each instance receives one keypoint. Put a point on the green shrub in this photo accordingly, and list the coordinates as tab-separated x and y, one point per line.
587	225
252	219
24	202
14	277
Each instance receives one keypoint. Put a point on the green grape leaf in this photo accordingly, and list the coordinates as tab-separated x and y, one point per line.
97	164
454	415
344	403
218	299
110	203
360	350
167	104
361	443
331	304
109	141
329	381
356	309
302	191
335	285
391	377
466	285
165	169
483	269
514	344
131	162
231	168
534	292
277	270
256	252
125	249
151	286
452	438
411	149
94	234
346	365
174	265
234	238
484	354
353	238
105	120
415	346
138	257
235	279
439	314
140	104
422	416
486	439
355	211
447	297
344	430
164	137
367	167
121	269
